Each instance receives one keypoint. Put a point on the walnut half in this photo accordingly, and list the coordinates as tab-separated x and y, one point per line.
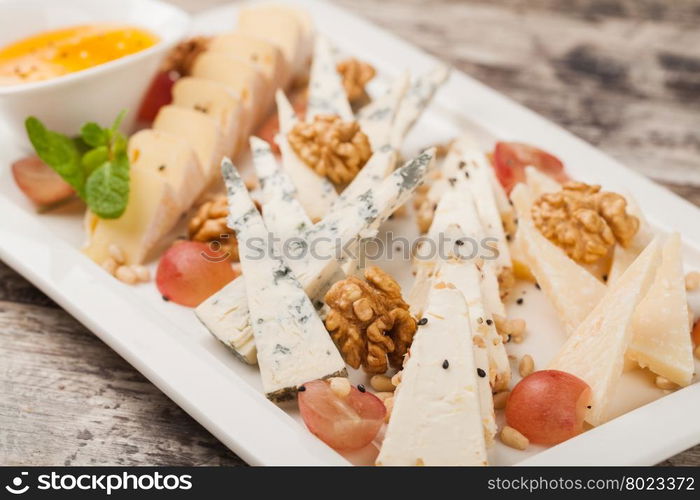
584	221
369	321
332	147
355	74
209	225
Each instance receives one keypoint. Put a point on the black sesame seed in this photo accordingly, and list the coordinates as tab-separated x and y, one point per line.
452	181
489	322
301	388
459	243
161	167
462	165
445	364
605	277
520	301
508	237
361	388
589	407
537	285
422	321
466	174
165	298
480	372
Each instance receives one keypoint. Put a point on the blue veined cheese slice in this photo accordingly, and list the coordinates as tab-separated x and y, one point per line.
315	193
326	92
415	101
456	218
377	118
595	352
436	417
225	314
571	289
218	101
662	340
293	344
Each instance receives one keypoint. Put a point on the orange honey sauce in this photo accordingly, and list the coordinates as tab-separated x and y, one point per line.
55	53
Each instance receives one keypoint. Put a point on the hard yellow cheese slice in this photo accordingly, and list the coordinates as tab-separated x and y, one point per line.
595	352
198	130
661	328
217	101
571	289
152	211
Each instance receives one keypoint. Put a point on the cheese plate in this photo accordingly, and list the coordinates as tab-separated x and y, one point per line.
172	348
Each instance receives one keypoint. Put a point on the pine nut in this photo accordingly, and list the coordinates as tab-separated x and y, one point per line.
692	281
389	405
341	386
142	273
126	274
110	265
396	379
663	383
382	383
511	437
116	253
500	399
526	366
384	395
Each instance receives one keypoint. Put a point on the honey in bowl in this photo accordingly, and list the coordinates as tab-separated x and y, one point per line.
51	54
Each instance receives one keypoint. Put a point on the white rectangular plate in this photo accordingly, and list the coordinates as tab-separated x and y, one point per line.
168	345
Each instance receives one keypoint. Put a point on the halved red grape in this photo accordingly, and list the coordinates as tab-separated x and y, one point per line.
39	182
511	158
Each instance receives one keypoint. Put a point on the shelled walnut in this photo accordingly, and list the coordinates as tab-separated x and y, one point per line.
355	74
369	321
209	225
181	58
584	221
332	147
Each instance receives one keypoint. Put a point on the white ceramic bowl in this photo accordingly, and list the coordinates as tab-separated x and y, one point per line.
95	94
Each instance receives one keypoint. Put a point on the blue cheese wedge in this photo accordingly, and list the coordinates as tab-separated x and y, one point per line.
293	344
595	352
326	92
662	340
377	118
225	314
315	193
415	101
570	288
436	417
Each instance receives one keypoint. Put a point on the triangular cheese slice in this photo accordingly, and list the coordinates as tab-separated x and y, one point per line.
595	352
661	328
436	418
571	289
326	92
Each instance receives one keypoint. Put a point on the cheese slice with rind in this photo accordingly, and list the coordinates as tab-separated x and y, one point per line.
170	158
661	328
595	352
152	210
218	101
570	288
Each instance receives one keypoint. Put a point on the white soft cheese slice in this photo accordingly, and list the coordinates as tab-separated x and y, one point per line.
293	344
465	277
217	101
436	417
572	290
241	76
661	328
326	92
153	210
315	193
262	54
595	352
225	314
540	183
278	26
198	130
377	118
170	158
415	101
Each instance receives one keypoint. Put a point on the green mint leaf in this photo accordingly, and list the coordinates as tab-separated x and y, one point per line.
118	120
94	158
93	134
59	152
107	188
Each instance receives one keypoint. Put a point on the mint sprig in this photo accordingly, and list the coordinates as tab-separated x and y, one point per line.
95	163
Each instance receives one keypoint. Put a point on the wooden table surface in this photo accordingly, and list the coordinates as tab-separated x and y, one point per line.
624	75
